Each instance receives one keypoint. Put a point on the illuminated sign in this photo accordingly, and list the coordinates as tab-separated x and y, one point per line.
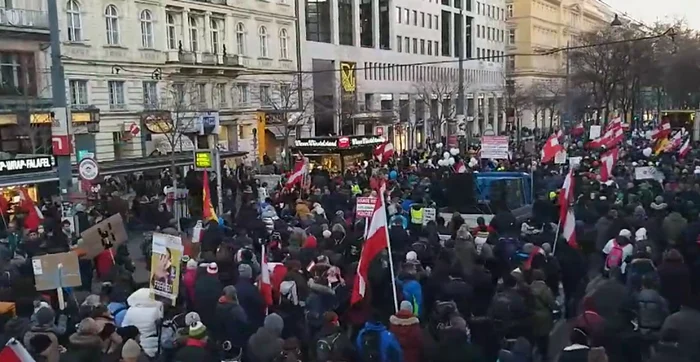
348	77
343	142
158	123
203	160
22	165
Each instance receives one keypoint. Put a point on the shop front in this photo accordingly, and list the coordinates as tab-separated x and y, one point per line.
337	153
37	174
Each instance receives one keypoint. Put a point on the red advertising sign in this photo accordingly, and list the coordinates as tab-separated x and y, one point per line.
344	142
61	145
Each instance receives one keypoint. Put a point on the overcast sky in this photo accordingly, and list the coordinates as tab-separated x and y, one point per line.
649	11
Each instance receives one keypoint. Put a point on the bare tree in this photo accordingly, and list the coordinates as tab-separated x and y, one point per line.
34	124
289	104
552	96
440	98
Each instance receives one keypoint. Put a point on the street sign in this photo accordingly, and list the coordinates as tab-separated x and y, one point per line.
61	145
203	160
88	169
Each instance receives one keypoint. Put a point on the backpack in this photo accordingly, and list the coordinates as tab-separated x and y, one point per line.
614	258
371	346
509	248
325	347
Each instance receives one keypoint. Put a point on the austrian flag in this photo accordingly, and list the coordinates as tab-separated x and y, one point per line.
551	148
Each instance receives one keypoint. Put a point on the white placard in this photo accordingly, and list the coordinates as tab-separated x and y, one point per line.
494	147
429	214
36	265
594	132
575	161
648	173
560	158
365	206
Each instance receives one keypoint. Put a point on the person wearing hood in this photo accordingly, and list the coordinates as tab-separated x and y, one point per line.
107	328
196	347
43	324
673	226
144	313
266	345
675	279
249	297
131	352
331	343
20	324
687	322
189	280
207	290
652	308
231	320
542	315
375	334
85	343
667	349
321	299
454	344
579	349
406	327
411	288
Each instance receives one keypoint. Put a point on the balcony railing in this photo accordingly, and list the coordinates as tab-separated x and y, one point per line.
24	19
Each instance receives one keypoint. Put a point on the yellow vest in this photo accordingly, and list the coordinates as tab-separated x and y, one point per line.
416	216
356	189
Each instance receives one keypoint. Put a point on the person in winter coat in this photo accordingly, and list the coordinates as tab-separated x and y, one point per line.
266	345
542	318
188	281
453	344
43	324
332	343
232	323
652	308
322	299
144	313
687	322
131	352
674	278
249	297
196	346
578	350
85	344
388	347
673	226
406	327
105	324
207	289
667	349
411	288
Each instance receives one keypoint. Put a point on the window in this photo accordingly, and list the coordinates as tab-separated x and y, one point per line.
240	39
415	17
221	95
399	45
264	48
511	36
150	94
509	11
478	53
407	42
286	95
146	29
284	44
242	92
112	23
116	94
78	92
511	62
436	22
265	95
437	47
172	37
422	46
346	20
422	19
201	94
415	46
478	32
318	20
398	14
178	92
430	47
215	40
75	24
17	74
430	21
194	34
407	15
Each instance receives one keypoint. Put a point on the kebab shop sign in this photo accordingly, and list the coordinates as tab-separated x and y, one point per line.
24	165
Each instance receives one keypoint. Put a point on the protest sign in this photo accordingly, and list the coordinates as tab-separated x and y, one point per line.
594	132
494	147
560	158
648	173
165	267
48	276
429	214
107	233
365	206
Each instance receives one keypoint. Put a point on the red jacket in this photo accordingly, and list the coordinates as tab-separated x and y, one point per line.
104	262
406	327
188	282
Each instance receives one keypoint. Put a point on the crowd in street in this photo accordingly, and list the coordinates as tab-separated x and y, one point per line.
627	289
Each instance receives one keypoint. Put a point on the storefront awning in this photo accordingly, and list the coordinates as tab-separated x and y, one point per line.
28	178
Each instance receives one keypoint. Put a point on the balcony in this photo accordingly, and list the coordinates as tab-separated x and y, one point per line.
24	20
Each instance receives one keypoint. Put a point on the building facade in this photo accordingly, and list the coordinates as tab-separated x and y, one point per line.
539	26
132	67
391	68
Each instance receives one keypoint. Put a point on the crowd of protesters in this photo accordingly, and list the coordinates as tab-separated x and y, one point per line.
469	293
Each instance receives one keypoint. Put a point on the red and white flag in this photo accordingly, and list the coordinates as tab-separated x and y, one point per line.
566	213
663	130
578	130
377	240
34	216
551	148
265	285
569	228
384	152
615	122
613	136
460	167
298	173
607	163
15	352
683	151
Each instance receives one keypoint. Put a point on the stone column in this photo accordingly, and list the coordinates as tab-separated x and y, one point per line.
356	23
186	30
207	47
335	28
375	24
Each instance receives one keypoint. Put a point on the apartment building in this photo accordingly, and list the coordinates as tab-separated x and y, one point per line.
132	63
371	68
541	25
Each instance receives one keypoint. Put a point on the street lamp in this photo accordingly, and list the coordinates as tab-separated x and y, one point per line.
616	21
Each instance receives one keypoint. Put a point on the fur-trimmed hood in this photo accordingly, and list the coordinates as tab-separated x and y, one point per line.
320	288
403	318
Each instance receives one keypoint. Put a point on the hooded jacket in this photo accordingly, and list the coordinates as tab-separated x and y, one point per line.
85	348
143	313
207	289
232	324
687	322
266	345
406	327
574	353
390	348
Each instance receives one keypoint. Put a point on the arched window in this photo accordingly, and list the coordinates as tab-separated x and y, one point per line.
284	44
171	31
147	29
240	39
194	34
264	45
215	43
112	22
75	23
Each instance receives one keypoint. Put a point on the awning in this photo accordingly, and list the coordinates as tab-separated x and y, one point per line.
28	178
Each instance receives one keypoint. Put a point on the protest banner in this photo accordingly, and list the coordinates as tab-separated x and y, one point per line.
48	275
365	206
165	267
494	147
106	234
429	214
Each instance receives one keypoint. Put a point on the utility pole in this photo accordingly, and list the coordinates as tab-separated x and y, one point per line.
62	122
567	104
460	89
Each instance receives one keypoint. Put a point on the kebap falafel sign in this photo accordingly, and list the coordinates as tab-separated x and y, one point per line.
166	259
106	234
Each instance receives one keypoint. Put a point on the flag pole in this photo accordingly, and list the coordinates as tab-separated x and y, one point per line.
556	238
391	256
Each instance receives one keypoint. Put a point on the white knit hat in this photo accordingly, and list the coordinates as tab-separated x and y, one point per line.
212	268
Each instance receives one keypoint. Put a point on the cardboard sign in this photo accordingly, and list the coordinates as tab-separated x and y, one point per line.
107	233
165	267
495	147
648	173
560	158
47	275
365	206
429	214
594	132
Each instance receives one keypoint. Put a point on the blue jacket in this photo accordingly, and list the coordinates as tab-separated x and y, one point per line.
412	292
390	347
120	310
404	220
